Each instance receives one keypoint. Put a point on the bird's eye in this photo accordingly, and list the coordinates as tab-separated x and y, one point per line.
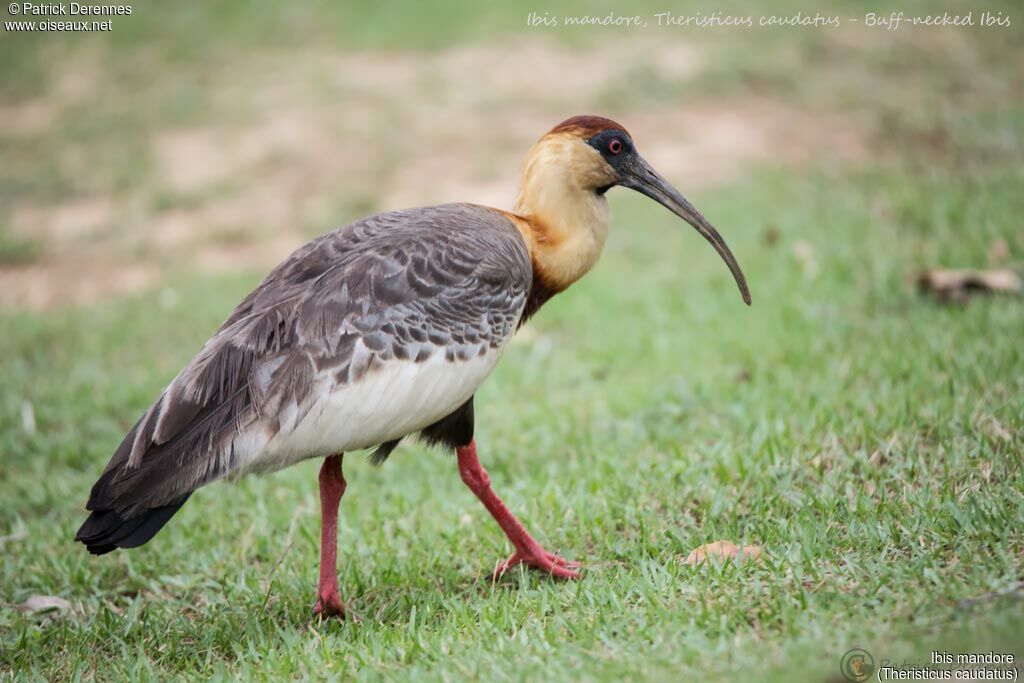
615	146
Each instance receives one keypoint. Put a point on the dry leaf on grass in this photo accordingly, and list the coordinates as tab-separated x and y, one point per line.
46	605
999	252
959	284
723	550
807	257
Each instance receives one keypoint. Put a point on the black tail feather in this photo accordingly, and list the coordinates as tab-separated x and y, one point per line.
106	530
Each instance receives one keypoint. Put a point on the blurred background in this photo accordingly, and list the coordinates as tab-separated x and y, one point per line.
152	174
217	137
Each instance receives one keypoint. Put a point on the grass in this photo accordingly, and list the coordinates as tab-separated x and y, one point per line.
867	439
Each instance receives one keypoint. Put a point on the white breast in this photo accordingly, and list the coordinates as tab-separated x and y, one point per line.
390	401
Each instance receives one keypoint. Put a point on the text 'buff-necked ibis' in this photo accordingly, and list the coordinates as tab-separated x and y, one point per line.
378	330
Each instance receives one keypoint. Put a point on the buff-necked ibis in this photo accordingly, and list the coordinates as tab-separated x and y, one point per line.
379	330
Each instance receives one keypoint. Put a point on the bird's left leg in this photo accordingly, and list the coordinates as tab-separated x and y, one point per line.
528	550
332	488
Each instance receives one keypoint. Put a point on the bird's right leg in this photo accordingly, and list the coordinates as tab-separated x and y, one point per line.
332	488
528	550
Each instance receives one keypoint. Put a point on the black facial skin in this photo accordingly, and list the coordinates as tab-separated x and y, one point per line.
620	161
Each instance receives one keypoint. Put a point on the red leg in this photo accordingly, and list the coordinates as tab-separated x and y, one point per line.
332	488
528	550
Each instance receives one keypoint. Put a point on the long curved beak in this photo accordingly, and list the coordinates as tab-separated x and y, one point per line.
641	177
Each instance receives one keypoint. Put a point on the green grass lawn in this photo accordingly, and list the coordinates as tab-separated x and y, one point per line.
867	439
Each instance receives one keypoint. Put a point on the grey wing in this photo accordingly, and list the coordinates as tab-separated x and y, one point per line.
403	286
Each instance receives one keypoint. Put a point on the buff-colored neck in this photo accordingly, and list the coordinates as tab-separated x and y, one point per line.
563	219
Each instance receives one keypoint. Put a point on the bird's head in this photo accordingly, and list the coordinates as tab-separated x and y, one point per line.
589	155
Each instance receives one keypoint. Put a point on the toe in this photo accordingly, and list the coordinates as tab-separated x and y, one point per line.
563	572
555	565
561	561
512	561
544	561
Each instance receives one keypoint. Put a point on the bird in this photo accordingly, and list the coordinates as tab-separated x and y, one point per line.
377	331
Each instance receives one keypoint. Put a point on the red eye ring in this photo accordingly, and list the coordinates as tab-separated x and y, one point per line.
615	146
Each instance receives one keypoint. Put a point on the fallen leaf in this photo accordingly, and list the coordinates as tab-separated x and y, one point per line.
959	284
806	257
999	252
994	429
49	605
803	251
723	550
19	534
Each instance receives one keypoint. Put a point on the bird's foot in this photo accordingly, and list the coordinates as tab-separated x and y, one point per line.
541	559
329	606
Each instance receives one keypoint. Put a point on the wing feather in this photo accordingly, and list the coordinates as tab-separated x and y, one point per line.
400	286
